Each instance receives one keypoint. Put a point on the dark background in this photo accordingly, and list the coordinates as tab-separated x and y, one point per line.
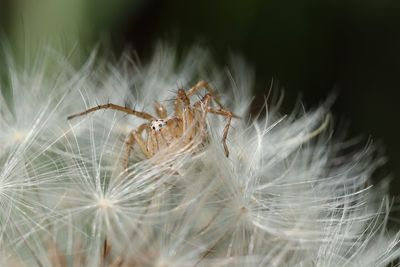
312	47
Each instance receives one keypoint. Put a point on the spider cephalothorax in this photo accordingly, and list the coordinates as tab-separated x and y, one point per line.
186	125
157	125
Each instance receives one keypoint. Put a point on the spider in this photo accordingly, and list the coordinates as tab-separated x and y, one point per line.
187	123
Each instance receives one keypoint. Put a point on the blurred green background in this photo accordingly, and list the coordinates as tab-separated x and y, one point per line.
311	47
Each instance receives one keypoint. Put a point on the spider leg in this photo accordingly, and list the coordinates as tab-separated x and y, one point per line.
139	114
206	100
160	110
175	126
203	84
184	111
133	136
204	105
117	262
182	100
229	115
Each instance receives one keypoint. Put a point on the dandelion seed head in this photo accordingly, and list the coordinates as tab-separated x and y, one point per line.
289	194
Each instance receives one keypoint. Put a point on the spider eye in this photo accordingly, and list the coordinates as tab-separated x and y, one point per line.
160	125
153	127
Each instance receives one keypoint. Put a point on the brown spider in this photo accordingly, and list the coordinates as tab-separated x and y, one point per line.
188	122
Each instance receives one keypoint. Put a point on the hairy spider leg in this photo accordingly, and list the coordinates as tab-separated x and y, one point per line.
161	111
140	114
159	140
229	115
223	112
136	135
175	126
185	112
117	262
204	104
188	115
182	101
152	144
210	97
205	85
